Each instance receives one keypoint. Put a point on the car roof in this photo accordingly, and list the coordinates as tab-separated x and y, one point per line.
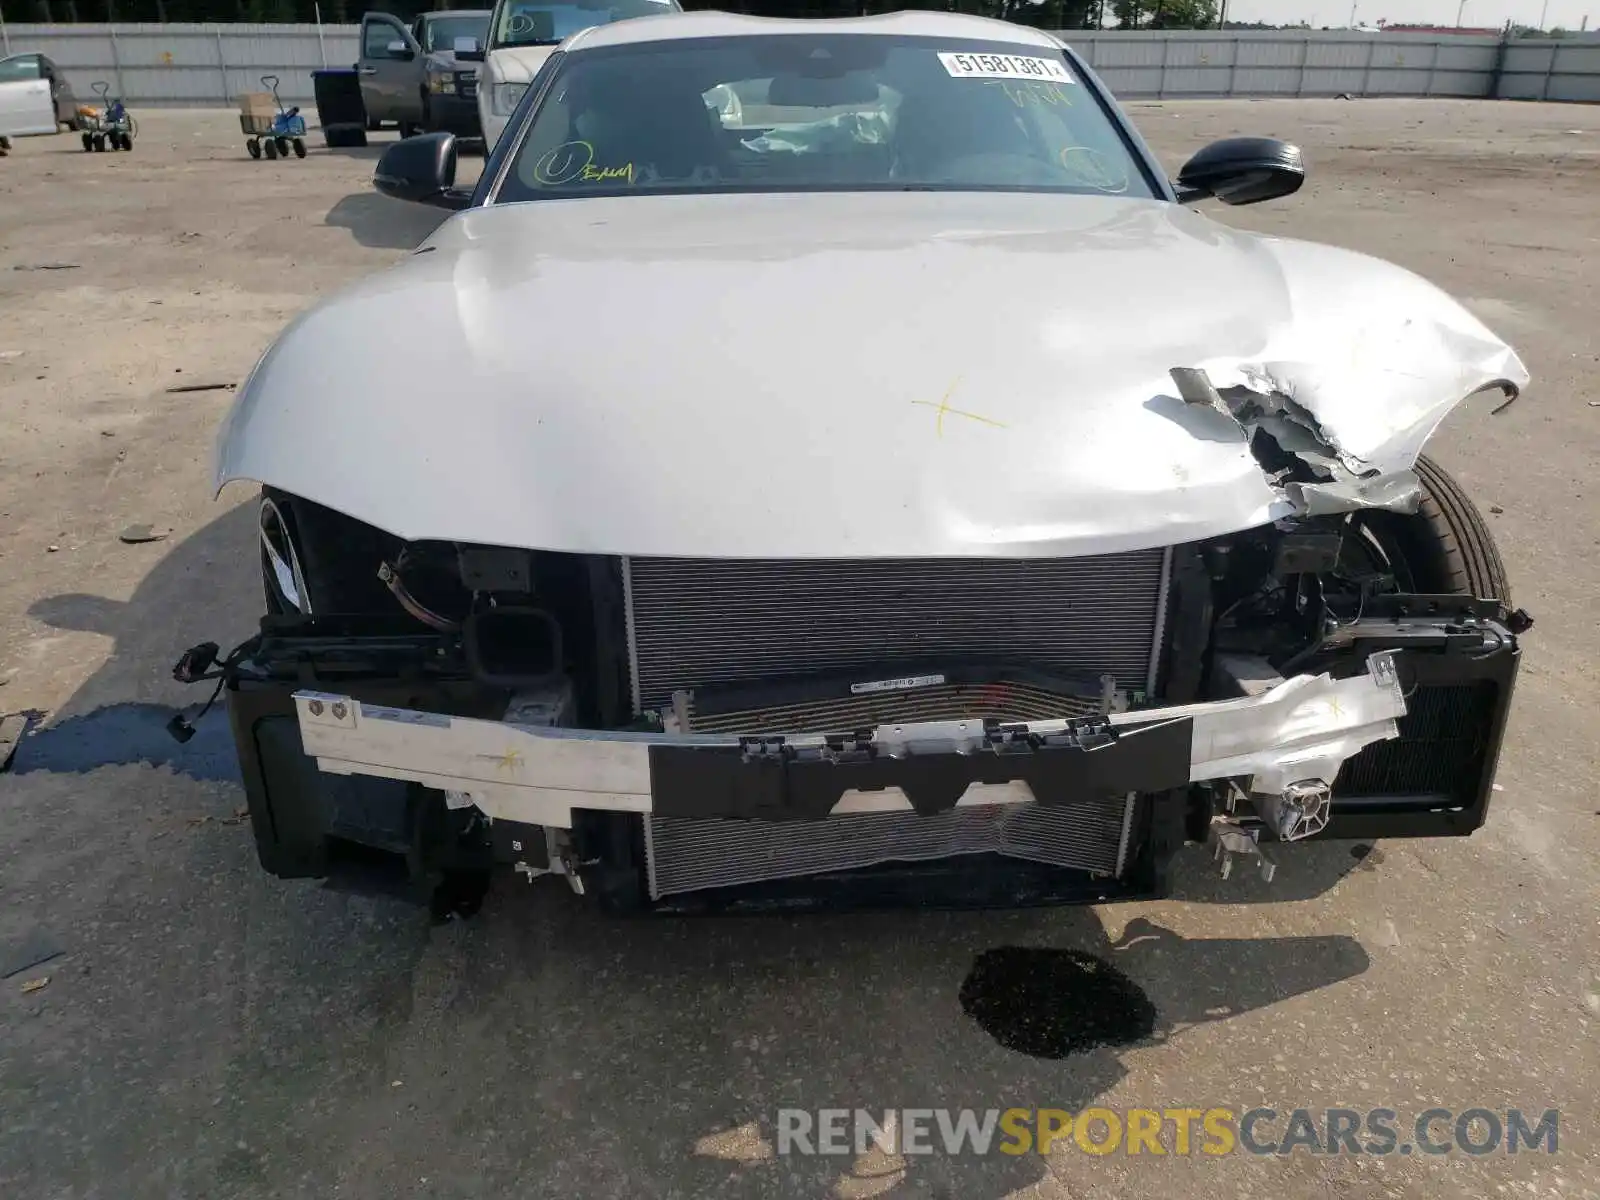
680	26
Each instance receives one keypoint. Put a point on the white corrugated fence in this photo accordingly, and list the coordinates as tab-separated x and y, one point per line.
193	65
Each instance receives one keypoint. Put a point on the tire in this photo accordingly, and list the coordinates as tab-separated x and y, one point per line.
339	559
299	147
99	142
283	147
1446	544
409	129
88	141
269	147
342	136
254	147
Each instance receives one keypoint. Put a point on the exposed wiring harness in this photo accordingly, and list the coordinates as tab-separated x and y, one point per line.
200	663
390	576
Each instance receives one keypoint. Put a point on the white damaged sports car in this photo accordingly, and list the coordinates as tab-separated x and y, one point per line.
843	468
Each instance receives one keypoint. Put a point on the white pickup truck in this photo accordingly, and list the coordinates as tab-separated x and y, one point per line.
524	33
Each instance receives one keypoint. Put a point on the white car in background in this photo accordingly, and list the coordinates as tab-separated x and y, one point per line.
522	35
35	97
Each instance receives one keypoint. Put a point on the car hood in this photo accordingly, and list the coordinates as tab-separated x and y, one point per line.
844	375
518	64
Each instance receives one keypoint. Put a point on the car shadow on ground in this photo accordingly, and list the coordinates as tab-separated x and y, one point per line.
542	1040
372	150
384	223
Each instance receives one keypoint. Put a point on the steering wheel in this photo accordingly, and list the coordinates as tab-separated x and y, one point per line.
1087	167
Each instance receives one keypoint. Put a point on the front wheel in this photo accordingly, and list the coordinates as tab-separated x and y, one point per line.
99	142
88	142
1446	547
254	147
299	147
269	148
283	147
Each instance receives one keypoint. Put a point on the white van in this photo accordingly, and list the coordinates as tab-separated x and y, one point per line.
523	33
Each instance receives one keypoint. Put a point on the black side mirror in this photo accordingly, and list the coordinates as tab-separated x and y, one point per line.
1242	171
422	169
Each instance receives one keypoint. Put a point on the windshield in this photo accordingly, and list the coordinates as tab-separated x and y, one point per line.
797	112
548	22
442	32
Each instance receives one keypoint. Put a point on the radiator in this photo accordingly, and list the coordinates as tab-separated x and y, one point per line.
698	623
1003	701
740	646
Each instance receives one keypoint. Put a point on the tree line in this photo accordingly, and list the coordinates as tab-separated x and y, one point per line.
1046	14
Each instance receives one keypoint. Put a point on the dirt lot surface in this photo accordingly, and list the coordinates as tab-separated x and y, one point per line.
208	1031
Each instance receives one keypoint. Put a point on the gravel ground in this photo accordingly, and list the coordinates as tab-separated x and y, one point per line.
209	1031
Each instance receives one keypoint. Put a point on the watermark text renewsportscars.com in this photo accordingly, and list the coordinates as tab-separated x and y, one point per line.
1213	1131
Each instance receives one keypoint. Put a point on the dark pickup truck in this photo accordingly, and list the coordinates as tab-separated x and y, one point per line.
423	76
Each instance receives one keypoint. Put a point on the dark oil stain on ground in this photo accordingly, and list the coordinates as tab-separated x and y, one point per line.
1049	1003
129	732
1370	857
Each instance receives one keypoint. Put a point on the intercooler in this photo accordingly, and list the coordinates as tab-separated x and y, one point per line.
738	646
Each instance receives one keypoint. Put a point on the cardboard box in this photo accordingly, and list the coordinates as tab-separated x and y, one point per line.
257	104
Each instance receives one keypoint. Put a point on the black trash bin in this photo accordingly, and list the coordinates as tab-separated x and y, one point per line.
340	111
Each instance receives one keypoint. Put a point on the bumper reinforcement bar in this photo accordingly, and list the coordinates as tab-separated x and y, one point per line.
1300	730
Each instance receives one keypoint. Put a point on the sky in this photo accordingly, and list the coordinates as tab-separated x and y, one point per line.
1566	13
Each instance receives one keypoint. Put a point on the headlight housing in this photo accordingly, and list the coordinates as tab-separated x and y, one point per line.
506	97
442	83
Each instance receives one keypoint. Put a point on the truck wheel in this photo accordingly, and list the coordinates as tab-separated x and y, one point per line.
1445	547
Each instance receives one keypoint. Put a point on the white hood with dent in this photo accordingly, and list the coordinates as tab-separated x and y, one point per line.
840	375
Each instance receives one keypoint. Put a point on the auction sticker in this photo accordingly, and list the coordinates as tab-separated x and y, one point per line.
1005	66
